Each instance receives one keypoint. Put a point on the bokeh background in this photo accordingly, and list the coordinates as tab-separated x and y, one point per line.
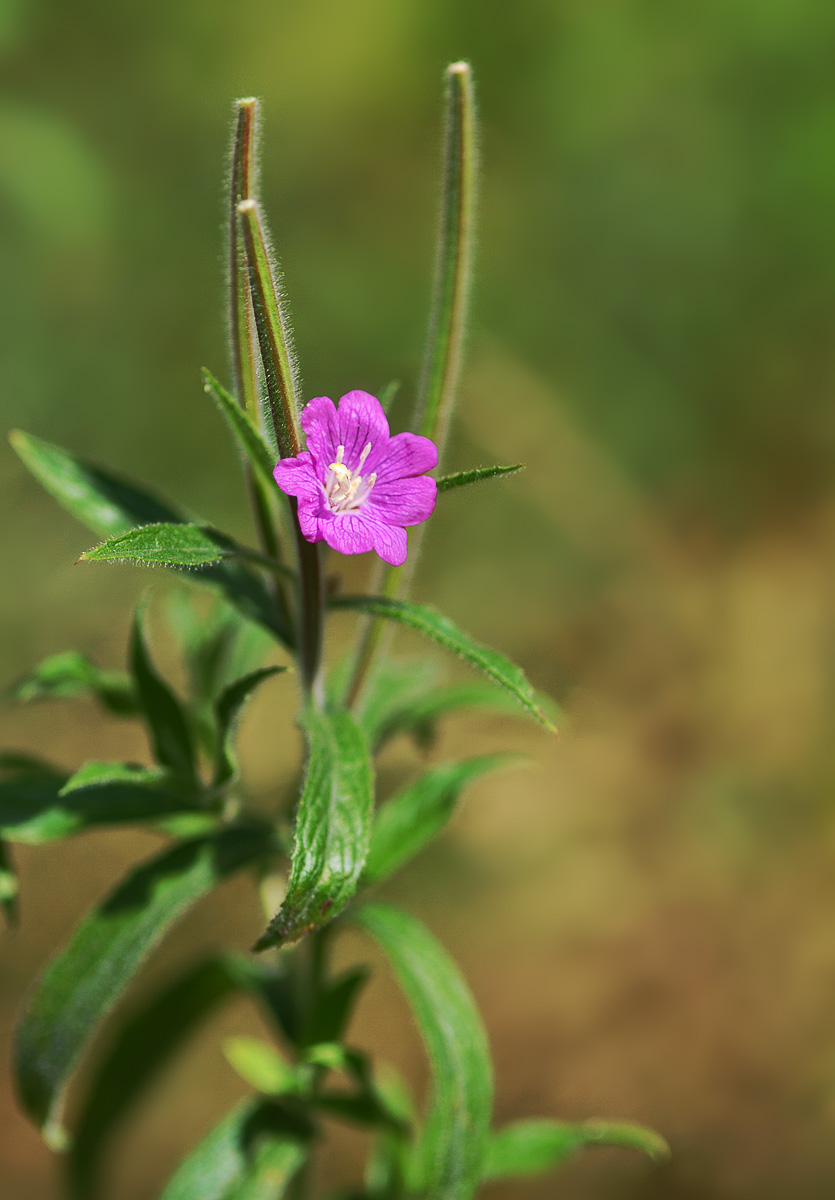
647	914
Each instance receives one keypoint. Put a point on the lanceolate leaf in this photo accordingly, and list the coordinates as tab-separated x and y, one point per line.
407	822
333	827
451	1152
260	1064
328	1016
142	1047
9	885
170	735
391	687
533	1147
367	1104
105	502
85	981
248	437
228	708
387	1166
166	544
462	478
431	623
71	674
252	1154
40	804
419	715
149	1040
110	505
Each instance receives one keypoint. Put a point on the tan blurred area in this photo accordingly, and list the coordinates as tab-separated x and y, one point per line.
645	910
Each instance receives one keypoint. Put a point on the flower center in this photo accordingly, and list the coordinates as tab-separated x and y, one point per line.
347	490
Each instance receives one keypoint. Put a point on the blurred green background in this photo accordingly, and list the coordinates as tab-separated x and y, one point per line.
647	917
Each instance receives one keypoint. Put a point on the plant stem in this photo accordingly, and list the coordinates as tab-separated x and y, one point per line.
444	341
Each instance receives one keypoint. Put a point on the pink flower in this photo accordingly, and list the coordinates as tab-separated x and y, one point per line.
356	485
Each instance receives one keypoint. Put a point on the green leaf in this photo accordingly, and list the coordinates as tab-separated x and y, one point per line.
260	1065
387	1167
418	716
110	505
392	686
149	1039
248	437
169	732
533	1147
431	623
40	804
409	821
228	708
252	1154
164	543
85	981
366	1105
105	502
71	674
450	1155
333	827
9	885
144	1044
327	1017
629	1135
462	478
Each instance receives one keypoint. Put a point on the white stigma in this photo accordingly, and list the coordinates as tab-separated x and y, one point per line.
346	490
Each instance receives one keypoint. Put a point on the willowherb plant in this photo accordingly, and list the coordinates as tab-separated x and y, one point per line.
349	484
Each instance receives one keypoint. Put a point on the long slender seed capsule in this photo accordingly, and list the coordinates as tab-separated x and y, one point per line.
278	365
273	334
453	269
242	321
242	186
445	339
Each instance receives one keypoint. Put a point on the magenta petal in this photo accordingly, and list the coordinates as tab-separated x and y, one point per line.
349	534
407	454
297	476
321	426
390	542
362	422
403	501
311	521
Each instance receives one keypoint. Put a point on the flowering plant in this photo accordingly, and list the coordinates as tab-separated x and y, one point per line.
350	484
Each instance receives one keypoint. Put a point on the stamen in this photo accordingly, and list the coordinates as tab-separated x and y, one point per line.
366	450
340	454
